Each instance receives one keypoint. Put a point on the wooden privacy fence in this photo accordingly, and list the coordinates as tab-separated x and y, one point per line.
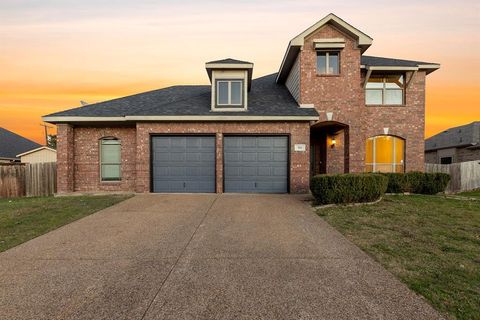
31	180
464	176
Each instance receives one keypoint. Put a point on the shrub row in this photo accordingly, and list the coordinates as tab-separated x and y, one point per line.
348	188
417	182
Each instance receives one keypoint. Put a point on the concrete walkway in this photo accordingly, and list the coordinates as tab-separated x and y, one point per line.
200	257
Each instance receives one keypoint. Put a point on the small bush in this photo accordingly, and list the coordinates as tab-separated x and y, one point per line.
397	183
435	182
414	182
348	188
417	182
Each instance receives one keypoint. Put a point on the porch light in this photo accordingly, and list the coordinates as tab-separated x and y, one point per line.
333	142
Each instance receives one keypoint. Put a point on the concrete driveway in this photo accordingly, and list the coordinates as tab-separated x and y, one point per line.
200	257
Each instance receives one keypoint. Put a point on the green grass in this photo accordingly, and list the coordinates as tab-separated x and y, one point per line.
431	243
22	219
471	194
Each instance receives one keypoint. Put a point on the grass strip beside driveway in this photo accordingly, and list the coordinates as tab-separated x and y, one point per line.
470	194
431	243
22	219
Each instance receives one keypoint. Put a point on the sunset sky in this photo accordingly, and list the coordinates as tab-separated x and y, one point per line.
55	53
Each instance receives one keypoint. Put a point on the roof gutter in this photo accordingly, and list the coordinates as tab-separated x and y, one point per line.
429	67
58	119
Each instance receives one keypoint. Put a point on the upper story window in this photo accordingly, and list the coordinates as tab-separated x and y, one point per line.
328	62
110	159
229	93
385	90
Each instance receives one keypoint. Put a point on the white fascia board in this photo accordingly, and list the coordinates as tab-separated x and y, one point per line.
229	65
429	66
81	119
221	118
363	39
180	118
391	68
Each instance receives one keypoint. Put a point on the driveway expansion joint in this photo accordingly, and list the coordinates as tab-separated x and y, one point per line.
179	257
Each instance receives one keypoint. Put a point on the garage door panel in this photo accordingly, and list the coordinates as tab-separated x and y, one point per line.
256	164
265	171
183	164
249	156
248	171
264	156
280	156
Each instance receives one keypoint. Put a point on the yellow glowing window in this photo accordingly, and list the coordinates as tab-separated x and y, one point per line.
385	154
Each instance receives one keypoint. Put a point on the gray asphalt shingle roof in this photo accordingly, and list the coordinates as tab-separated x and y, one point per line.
229	60
390	62
12	144
466	135
266	98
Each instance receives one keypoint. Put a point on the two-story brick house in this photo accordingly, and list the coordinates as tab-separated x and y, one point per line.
329	109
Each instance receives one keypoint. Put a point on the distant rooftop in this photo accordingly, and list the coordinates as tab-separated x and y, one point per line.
463	136
12	144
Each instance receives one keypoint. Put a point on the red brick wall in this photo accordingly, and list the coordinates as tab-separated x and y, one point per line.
340	94
299	133
87	159
344	96
65	159
407	122
83	171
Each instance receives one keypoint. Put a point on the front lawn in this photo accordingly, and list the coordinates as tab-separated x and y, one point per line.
470	194
431	243
22	219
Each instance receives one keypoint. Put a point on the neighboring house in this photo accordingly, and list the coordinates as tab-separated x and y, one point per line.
12	144
458	144
38	155
329	109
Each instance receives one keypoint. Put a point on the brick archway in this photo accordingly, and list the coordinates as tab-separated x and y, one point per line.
330	144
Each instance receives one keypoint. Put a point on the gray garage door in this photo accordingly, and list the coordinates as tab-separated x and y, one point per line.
183	164
256	164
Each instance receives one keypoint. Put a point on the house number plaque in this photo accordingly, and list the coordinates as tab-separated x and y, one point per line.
300	147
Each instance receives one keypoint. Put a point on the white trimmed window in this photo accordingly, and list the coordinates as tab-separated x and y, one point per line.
385	90
110	159
385	154
229	93
328	62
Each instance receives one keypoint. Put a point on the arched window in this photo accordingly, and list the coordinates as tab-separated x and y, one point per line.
110	159
385	154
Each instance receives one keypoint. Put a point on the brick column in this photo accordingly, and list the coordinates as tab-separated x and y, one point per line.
65	159
219	162
142	165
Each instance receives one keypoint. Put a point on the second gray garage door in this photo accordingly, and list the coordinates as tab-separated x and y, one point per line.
183	164
256	164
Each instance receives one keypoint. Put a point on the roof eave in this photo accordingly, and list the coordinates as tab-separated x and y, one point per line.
76	119
429	68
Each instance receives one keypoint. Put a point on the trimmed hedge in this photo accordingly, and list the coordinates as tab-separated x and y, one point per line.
417	182
348	187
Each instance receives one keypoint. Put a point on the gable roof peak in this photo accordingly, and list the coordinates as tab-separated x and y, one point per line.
228	61
363	41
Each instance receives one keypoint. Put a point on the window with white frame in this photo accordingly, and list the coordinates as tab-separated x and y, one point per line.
110	159
385	154
385	90
328	62
229	93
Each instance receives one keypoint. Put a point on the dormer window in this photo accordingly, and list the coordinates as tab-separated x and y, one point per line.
229	93
231	81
